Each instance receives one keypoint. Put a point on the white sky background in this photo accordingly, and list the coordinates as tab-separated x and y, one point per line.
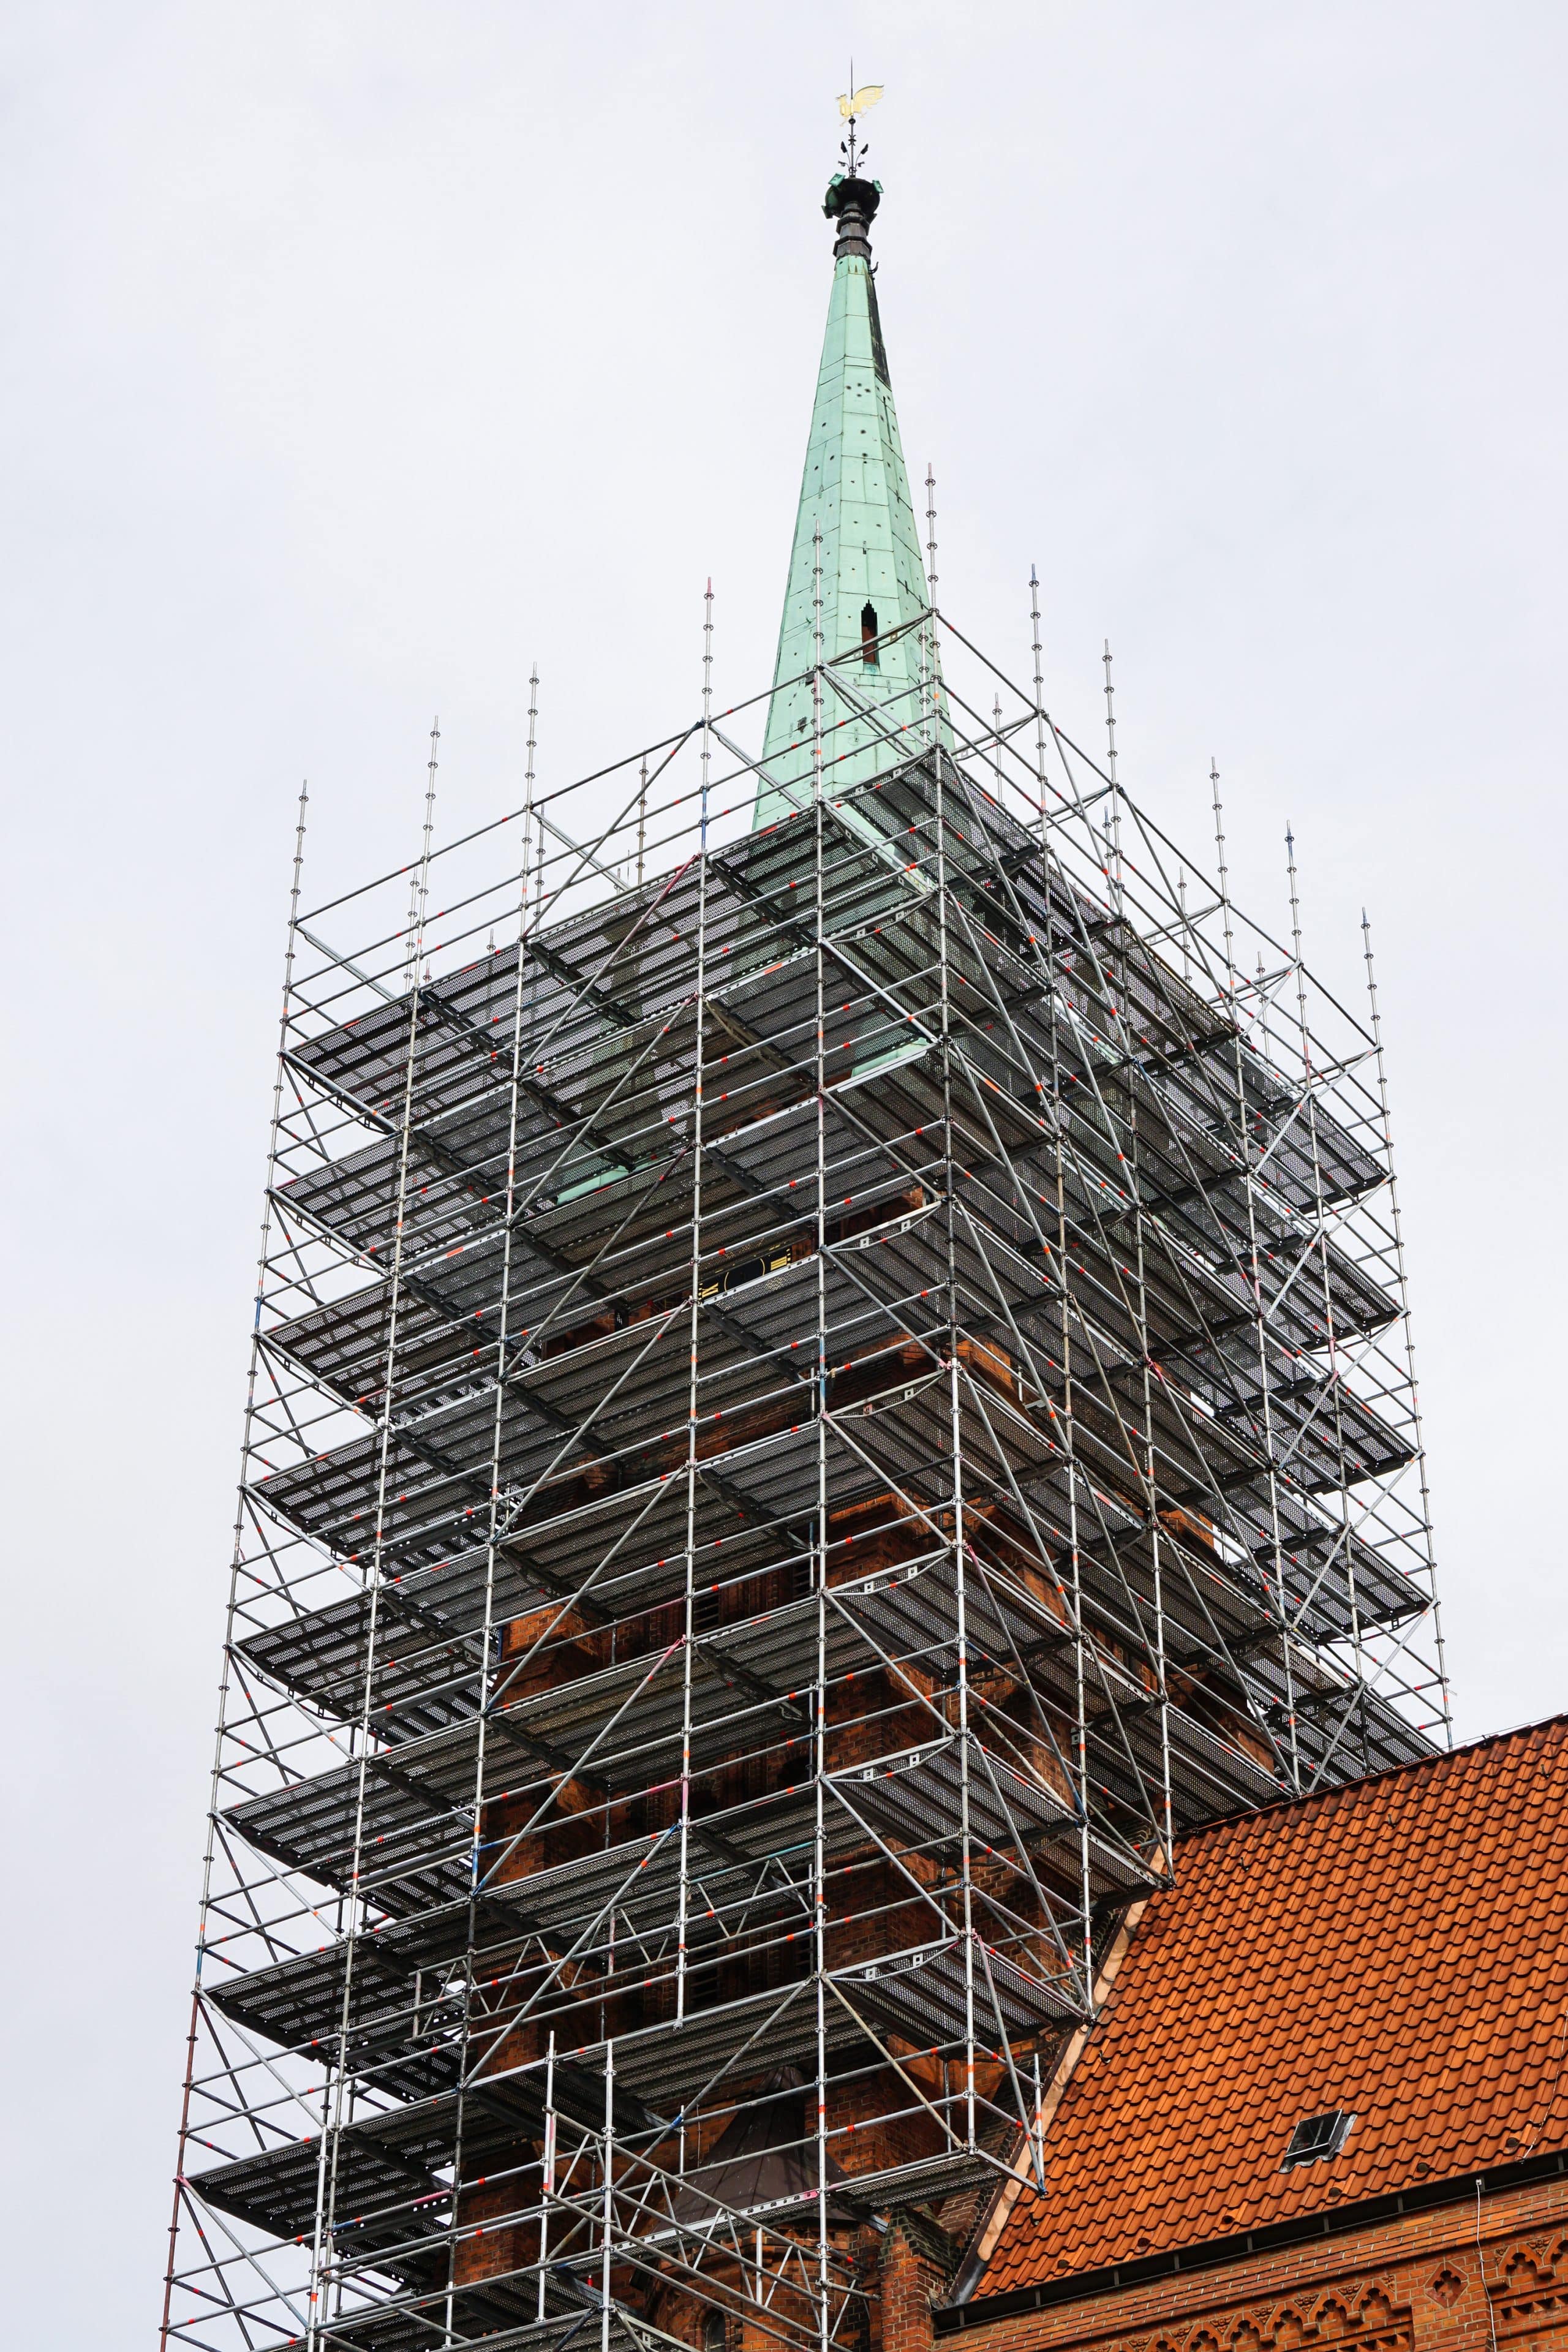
357	355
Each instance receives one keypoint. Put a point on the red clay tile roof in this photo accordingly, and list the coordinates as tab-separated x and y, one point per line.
1398	1948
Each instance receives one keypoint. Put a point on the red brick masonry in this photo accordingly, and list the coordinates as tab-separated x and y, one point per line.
1416	2283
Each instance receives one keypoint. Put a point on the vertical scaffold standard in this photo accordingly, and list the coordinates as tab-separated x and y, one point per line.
831	1372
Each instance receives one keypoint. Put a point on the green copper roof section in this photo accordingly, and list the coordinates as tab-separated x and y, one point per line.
856	491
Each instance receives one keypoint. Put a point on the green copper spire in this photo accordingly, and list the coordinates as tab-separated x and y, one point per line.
856	492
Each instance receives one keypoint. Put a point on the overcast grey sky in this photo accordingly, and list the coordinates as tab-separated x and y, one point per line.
357	355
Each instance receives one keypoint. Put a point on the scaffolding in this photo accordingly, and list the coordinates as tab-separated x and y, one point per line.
821	1391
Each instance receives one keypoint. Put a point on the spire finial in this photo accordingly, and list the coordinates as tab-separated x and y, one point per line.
853	103
851	200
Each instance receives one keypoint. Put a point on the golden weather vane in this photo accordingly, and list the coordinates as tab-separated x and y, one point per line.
852	103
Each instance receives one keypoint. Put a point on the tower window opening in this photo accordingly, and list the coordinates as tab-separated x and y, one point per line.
870	652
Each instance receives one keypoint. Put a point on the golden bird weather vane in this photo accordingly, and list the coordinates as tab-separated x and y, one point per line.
852	103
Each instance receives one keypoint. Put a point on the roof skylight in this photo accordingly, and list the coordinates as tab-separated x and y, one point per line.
1316	2136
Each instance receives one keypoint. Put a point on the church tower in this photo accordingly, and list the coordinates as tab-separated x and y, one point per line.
830	1372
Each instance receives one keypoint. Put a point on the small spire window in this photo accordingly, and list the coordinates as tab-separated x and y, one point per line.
870	652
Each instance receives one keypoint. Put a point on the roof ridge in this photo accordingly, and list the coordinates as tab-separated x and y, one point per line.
1343	1791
